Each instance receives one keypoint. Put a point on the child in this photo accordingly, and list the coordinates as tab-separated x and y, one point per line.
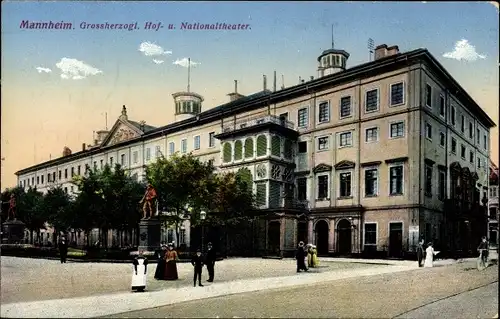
197	262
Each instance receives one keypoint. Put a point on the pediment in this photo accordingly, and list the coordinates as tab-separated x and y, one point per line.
121	132
322	168
345	164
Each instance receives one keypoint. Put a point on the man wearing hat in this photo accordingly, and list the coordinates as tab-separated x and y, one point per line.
300	256
210	261
197	262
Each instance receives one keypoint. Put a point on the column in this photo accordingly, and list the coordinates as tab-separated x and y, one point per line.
310	231
331	235
282	235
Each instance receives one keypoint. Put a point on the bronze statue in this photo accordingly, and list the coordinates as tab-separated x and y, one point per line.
148	199
12	207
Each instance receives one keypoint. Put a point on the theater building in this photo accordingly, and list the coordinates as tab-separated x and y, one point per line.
358	159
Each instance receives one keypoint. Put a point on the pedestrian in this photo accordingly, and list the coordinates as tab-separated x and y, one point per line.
429	255
160	267
140	272
314	258
420	253
197	262
300	257
171	259
63	249
483	247
210	261
309	255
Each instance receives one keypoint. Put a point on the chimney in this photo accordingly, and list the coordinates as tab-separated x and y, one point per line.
300	79
96	142
66	151
274	82
380	51
235	95
393	50
303	81
235	86
312	77
265	83
83	147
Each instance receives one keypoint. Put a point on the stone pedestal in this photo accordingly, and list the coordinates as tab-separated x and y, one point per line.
149	235
13	232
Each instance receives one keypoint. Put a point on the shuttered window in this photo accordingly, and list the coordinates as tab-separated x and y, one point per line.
249	147
238	150
227	153
261	145
275	146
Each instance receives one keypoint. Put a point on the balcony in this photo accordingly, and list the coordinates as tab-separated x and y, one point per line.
302	162
255	124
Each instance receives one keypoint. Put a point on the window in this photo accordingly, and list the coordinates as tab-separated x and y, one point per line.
485	142
32	181
345	106
345	184
345	139
171	148
396	180
65	173
197	142
471	157
66	191
48	177
72	171
428	180
442	105
371	134
462	124
302	188
371	182
302	117
442	139
157	151
478	137
370	234
442	185
135	157
428	131
323	187
284	117
148	154
38	180
324	112
54	176
453	145
371	101
211	139
453	114
184	146
182	236
397	94
478	162
111	161
71	189
42	178
323	143
471	130
462	151
122	160
428	96
397	129
60	174
95	164
101	163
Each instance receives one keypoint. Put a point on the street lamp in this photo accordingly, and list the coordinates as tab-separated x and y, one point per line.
203	215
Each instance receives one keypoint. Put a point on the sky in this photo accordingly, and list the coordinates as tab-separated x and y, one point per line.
58	85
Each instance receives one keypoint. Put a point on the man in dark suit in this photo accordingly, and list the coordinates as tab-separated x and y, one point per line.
63	249
210	261
420	252
300	256
197	262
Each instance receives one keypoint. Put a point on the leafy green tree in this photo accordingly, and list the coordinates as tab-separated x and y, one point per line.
180	182
57	209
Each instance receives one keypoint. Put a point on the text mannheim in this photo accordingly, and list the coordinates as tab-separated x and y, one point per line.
362	159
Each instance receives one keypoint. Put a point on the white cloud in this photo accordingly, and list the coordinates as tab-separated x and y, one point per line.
75	69
158	61
151	49
464	51
42	69
184	62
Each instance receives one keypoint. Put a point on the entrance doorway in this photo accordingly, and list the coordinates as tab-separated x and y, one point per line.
302	232
321	230
395	240
273	238
344	240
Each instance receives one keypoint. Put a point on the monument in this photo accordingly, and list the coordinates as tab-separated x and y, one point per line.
150	224
12	229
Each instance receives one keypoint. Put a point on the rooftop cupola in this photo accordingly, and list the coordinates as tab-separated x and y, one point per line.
124	116
332	61
187	103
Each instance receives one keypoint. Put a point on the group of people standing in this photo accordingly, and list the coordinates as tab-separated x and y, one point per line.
307	257
425	257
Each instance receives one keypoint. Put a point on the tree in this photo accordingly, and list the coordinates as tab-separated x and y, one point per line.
180	182
57	209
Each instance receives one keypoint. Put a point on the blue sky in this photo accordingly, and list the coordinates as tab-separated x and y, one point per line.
284	36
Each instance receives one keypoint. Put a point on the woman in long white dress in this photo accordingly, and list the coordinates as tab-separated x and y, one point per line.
429	256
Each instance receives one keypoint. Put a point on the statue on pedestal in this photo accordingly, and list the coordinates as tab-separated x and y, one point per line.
149	200
12	207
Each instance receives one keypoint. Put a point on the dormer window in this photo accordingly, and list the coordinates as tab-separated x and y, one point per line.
337	62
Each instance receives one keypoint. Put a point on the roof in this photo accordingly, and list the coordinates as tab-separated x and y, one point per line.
334	51
267	97
145	128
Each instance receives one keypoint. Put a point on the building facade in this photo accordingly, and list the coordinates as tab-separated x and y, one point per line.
360	159
493	210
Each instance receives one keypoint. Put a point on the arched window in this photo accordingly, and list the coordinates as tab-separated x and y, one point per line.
249	147
227	153
261	145
238	150
275	145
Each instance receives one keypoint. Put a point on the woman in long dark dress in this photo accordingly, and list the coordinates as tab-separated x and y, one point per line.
160	267
171	264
